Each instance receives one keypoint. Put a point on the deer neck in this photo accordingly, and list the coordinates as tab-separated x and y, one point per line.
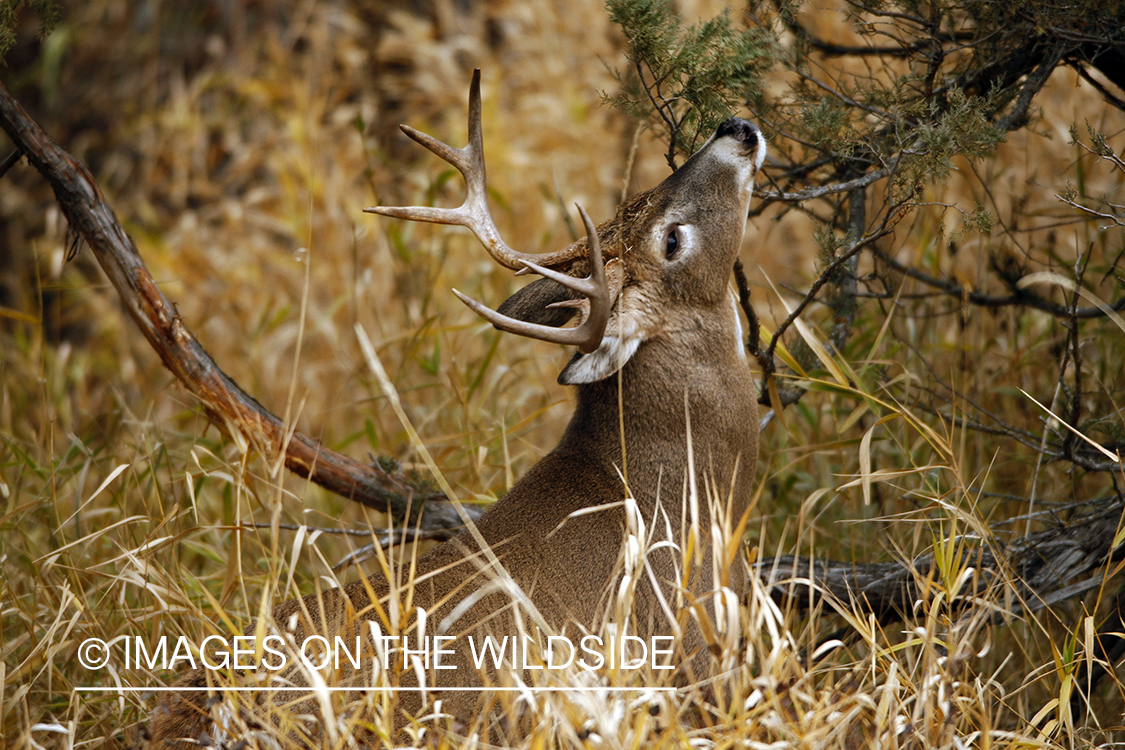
638	421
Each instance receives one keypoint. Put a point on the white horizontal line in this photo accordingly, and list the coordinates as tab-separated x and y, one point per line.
243	689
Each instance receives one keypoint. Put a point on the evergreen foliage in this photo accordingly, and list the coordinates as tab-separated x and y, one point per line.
47	10
686	80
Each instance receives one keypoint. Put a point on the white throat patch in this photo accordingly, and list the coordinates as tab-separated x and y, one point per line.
616	349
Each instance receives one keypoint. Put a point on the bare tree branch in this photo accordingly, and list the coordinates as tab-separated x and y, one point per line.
1019	296
383	538
229	407
822	190
826	276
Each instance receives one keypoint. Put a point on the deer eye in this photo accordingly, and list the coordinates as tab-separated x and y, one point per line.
672	241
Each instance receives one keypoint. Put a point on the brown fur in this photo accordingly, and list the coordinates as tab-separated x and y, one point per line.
690	362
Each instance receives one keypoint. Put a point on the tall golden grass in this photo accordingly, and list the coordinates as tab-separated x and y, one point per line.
239	143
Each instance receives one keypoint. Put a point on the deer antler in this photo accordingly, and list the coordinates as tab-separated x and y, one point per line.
600	296
474	213
600	292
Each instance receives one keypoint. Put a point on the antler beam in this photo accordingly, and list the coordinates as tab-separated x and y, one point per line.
474	213
600	296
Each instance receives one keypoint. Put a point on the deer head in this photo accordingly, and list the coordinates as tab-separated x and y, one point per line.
631	277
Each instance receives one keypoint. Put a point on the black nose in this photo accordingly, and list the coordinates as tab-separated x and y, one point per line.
740	130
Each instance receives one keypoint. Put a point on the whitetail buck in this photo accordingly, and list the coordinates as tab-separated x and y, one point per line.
666	410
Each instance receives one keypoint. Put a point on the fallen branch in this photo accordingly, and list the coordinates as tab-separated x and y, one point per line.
381	538
1041	569
229	407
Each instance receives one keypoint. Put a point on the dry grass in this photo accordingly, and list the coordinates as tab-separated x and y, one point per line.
239	147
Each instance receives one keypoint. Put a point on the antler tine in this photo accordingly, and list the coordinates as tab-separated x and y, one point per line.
587	336
474	213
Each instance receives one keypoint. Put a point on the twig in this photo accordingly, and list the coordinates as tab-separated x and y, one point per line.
1031	87
1106	93
1017	297
10	161
823	190
664	110
754	332
827	275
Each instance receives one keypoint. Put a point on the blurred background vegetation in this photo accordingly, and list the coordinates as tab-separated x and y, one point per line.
959	148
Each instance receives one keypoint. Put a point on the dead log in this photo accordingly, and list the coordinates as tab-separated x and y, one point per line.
229	407
1039	569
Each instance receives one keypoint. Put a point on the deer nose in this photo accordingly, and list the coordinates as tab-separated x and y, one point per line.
740	130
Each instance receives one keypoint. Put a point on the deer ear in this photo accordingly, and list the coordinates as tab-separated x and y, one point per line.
530	304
